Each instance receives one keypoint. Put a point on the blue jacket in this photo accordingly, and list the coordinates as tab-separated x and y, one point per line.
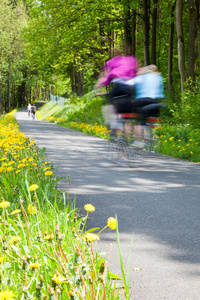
148	85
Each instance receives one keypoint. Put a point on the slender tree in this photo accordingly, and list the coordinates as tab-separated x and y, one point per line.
146	31
171	47
181	52
154	32
192	9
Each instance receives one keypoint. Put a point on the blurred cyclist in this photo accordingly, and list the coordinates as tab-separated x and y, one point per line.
149	90
29	109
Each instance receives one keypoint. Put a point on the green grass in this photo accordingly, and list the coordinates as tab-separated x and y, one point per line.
179	141
45	252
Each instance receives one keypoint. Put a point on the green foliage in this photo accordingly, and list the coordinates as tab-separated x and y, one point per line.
43	243
178	141
86	109
187	110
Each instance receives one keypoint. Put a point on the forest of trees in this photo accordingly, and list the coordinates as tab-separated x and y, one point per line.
60	46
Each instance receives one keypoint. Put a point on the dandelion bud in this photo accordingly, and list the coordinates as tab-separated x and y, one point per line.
102	268
77	255
83	270
64	270
35	258
57	231
61	238
68	177
71	294
41	281
38	290
4	239
51	235
51	293
5	247
74	232
25	264
75	217
39	237
57	228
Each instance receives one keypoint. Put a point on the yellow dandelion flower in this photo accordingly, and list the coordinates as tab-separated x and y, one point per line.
11	163
4	204
2	259
33	187
58	279
89	208
3	158
179	140
14	240
91	237
1	169
30	159
112	223
15	212
49	237
171	138
190	140
34	266
48	173
18	171
191	152
47	168
32	210
46	163
9	169
7	295
21	166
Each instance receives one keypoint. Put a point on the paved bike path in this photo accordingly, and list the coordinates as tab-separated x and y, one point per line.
157	199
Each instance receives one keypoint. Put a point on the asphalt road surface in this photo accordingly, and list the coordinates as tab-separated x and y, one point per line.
156	199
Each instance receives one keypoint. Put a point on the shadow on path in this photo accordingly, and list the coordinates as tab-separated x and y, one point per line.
156	197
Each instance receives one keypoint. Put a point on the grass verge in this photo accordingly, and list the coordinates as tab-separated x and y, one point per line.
45	251
180	141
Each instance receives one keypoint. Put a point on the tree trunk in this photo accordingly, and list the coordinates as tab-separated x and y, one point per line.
154	24
133	34
192	9
73	85
181	52
170	55
146	31
127	33
198	30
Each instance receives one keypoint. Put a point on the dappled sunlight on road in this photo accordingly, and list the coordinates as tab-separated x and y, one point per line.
154	196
